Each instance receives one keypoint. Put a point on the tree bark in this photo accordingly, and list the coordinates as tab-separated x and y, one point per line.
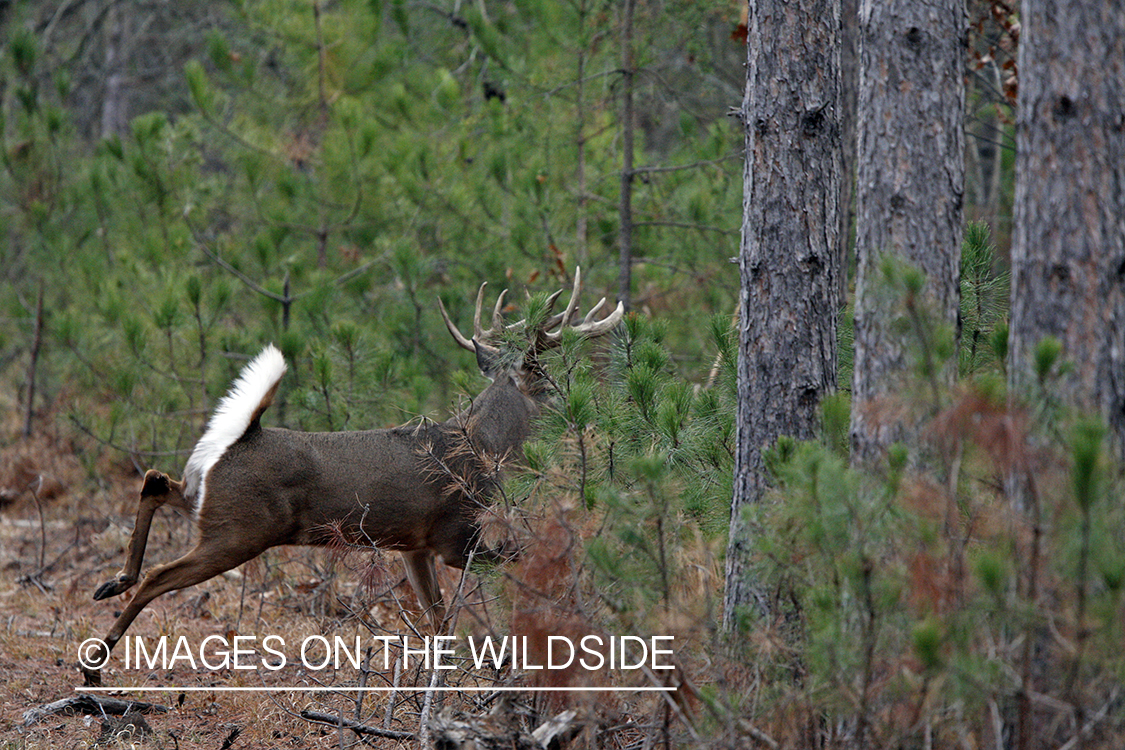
33	364
909	194
114	106
1068	247
625	237
849	91
789	254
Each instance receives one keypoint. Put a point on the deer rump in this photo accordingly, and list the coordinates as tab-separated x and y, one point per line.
406	488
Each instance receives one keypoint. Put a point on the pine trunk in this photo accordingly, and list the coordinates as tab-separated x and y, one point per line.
909	192
849	89
625	235
1068	247
789	254
114	104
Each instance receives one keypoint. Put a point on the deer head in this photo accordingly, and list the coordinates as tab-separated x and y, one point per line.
488	344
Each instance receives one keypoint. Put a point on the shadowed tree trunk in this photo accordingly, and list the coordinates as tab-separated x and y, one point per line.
1068	249
909	191
625	235
789	253
849	85
114	105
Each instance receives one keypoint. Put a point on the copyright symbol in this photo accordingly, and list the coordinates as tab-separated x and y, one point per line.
93	653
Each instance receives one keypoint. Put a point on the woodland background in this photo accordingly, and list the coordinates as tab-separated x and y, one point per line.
184	182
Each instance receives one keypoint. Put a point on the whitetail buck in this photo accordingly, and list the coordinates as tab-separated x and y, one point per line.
416	489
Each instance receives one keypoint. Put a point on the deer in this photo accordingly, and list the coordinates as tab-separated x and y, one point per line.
417	489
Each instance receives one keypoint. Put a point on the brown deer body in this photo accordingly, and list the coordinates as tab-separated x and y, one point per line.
417	489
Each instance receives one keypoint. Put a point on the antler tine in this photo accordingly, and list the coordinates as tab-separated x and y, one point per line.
545	337
497	318
593	311
478	332
453	330
570	306
555	319
591	328
481	337
489	339
553	299
563	318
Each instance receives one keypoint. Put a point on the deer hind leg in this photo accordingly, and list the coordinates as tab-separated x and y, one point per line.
156	490
423	578
206	560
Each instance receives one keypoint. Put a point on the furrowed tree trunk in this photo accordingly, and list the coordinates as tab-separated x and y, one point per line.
849	88
625	235
1068	248
909	193
789	253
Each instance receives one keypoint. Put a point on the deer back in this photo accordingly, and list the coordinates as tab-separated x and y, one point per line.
384	487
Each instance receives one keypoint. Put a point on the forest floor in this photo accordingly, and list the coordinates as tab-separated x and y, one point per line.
60	537
62	534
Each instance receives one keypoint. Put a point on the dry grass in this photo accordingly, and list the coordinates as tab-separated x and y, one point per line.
80	529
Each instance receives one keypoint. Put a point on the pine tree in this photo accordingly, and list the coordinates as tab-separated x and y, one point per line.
910	185
789	255
1068	250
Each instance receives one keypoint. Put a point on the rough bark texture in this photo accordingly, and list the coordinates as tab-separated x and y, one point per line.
788	258
625	236
909	192
849	90
1068	248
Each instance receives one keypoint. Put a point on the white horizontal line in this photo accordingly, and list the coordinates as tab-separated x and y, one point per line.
498	689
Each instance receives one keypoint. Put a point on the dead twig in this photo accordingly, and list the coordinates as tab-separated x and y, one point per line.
95	705
361	729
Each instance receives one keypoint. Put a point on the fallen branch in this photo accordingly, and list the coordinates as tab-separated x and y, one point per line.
338	721
89	704
560	728
454	729
1088	728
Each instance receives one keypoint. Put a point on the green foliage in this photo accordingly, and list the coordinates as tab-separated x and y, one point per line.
922	566
927	643
1086	444
329	182
984	299
648	454
1045	356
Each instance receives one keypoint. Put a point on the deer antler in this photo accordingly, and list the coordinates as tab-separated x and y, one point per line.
589	327
482	337
549	333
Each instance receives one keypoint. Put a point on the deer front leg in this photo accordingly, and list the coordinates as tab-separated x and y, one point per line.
206	560
456	540
453	542
423	578
156	490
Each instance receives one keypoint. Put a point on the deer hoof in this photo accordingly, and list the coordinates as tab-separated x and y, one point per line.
113	588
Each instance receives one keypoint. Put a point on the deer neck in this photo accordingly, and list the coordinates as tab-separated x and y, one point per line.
499	419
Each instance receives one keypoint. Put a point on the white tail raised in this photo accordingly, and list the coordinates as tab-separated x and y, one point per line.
244	403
